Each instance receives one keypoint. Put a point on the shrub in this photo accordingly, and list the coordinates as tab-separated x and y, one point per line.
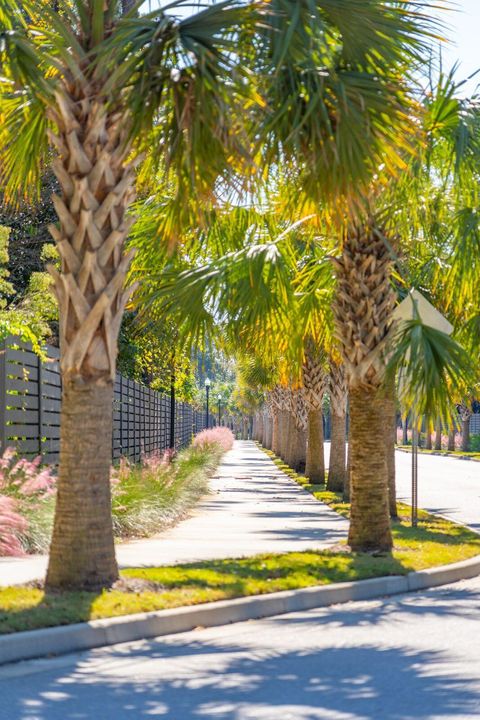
147	497
26	504
221	436
154	494
475	442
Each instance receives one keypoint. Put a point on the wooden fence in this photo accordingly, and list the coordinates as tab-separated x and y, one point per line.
30	404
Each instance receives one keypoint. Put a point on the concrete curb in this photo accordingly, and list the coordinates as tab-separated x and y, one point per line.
99	633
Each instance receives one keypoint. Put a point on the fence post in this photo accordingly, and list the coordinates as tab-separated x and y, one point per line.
40	404
172	412
3	396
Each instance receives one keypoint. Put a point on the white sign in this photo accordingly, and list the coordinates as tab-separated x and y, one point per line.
428	314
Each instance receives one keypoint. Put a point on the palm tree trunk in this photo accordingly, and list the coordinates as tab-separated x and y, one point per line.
284	425
96	189
268	433
348	480
438	435
389	435
289	440
451	438
315	461
466	435
369	515
337	471
298	449
428	439
276	431
82	552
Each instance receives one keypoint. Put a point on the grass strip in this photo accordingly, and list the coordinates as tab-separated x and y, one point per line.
462	454
434	542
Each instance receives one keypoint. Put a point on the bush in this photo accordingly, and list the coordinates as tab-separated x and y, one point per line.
221	436
158	492
475	442
147	497
26	504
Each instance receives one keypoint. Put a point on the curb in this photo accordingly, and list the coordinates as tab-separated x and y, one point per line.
127	628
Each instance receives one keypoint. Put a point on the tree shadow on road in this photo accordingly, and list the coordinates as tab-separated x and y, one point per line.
185	678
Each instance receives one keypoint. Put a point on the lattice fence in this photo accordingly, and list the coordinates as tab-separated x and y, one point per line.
30	397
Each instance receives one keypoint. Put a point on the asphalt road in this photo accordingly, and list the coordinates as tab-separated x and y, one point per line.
412	657
448	486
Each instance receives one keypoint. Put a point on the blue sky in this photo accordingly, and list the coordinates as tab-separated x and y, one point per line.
463	31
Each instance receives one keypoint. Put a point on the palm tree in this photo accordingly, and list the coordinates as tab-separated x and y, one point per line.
337	472
363	314
83	88
315	383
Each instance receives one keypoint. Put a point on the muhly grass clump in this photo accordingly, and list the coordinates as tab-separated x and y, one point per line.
147	497
26	504
221	436
152	495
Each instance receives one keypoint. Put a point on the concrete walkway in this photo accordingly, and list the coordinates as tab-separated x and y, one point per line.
252	508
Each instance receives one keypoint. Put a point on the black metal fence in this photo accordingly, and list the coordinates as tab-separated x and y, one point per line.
30	404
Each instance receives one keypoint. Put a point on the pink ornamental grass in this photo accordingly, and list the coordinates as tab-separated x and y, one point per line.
12	525
221	436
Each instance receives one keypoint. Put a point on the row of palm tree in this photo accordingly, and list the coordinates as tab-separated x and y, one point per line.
313	96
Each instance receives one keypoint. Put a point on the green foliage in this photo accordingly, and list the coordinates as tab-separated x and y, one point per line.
475	443
151	496
30	316
433	369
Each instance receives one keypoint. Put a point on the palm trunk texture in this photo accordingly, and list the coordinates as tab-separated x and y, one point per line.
389	434
363	317
337	471
315	381
82	542
315	462
369	516
96	190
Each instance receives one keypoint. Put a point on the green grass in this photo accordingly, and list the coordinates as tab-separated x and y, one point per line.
434	542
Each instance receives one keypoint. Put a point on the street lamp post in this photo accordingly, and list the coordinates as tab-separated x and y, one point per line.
207	390
219	408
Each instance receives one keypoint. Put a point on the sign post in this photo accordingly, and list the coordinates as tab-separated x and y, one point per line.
415	305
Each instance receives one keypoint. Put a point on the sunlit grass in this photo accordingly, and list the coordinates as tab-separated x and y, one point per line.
434	542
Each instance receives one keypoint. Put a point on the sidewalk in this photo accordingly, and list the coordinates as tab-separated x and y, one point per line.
253	508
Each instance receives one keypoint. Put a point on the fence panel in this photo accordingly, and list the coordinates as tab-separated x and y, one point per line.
30	405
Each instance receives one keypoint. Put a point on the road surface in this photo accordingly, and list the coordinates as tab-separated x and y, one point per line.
411	657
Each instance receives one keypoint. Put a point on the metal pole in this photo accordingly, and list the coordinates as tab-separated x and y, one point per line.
208	398
414	475
219	411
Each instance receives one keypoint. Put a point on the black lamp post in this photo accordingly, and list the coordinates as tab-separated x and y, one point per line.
207	390
219	408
